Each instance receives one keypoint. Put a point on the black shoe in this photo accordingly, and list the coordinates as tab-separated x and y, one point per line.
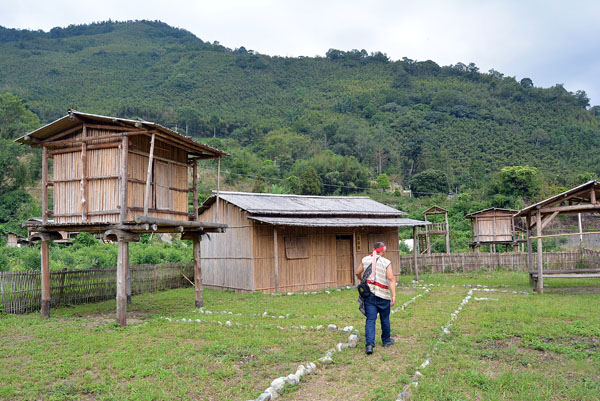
369	350
389	342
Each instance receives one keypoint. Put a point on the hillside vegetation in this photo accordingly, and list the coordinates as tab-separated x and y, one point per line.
347	122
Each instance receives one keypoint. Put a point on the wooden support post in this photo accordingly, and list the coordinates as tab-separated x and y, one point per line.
580	231
593	195
129	282
44	185
218	189
276	259
415	253
124	178
540	281
477	260
447	234
427	240
44	251
149	175
195	189
122	267
354	261
198	272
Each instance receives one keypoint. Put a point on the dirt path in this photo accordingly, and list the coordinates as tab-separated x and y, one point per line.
381	376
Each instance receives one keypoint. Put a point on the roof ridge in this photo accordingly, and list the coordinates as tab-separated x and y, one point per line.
214	192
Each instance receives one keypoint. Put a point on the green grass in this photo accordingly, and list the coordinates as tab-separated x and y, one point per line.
520	347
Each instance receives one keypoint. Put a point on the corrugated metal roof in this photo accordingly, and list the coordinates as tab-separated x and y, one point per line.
69	121
491	209
558	198
305	205
340	221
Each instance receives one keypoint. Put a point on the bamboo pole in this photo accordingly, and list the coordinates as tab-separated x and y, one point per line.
122	267
149	175
540	278
124	177
275	259
355	262
218	188
198	273
45	276
44	185
529	245
84	181
447	233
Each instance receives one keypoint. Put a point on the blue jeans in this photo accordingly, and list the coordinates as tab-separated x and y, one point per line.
373	306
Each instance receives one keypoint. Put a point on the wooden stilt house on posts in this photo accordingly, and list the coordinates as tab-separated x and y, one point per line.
494	226
424	233
581	199
121	178
293	242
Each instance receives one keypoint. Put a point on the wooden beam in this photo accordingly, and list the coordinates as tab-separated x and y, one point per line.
122	267
89	147
124	177
593	195
198	272
570	209
44	186
540	282
275	259
45	277
415	253
149	175
548	219
447	233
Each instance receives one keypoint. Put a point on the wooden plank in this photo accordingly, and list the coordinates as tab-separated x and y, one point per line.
540	282
195	188
571	275
548	219
44	186
89	147
149	175
275	259
122	267
570	209
415	253
45	276
124	177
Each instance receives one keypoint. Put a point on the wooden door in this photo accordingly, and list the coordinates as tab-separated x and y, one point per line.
343	259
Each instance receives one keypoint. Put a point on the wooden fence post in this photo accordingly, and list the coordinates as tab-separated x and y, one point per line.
198	273
122	267
44	250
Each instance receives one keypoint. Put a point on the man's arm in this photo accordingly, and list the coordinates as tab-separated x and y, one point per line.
358	270
389	273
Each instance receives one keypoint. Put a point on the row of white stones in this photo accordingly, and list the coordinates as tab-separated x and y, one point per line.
406	391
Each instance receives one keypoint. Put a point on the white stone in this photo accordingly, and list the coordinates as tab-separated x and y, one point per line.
278	384
424	364
228	323
302	327
319	327
264	397
272	392
326	359
348	329
332	327
264	314
292	379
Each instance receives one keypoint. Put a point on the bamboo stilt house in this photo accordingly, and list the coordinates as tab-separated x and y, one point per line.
494	226
294	242
118	177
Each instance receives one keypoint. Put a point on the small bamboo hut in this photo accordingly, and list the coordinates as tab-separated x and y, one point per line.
294	242
119	178
494	226
581	199
424	233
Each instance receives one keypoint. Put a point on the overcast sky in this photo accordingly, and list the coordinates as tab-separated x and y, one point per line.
551	41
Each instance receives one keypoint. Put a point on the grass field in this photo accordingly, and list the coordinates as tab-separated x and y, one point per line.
501	346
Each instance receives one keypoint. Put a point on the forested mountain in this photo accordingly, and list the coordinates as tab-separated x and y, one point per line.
348	115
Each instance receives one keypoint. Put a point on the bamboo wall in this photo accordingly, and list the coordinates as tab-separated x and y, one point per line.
226	258
466	262
169	180
489	228
20	292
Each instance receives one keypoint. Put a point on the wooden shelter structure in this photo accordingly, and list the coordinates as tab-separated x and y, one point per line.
581	199
294	242
494	226
119	178
424	233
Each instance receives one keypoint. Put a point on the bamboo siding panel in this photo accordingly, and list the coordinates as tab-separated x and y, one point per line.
466	262
20	292
226	258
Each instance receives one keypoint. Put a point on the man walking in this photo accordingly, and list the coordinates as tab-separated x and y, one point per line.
382	284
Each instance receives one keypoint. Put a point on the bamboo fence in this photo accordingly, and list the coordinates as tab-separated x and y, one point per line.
20	292
517	261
